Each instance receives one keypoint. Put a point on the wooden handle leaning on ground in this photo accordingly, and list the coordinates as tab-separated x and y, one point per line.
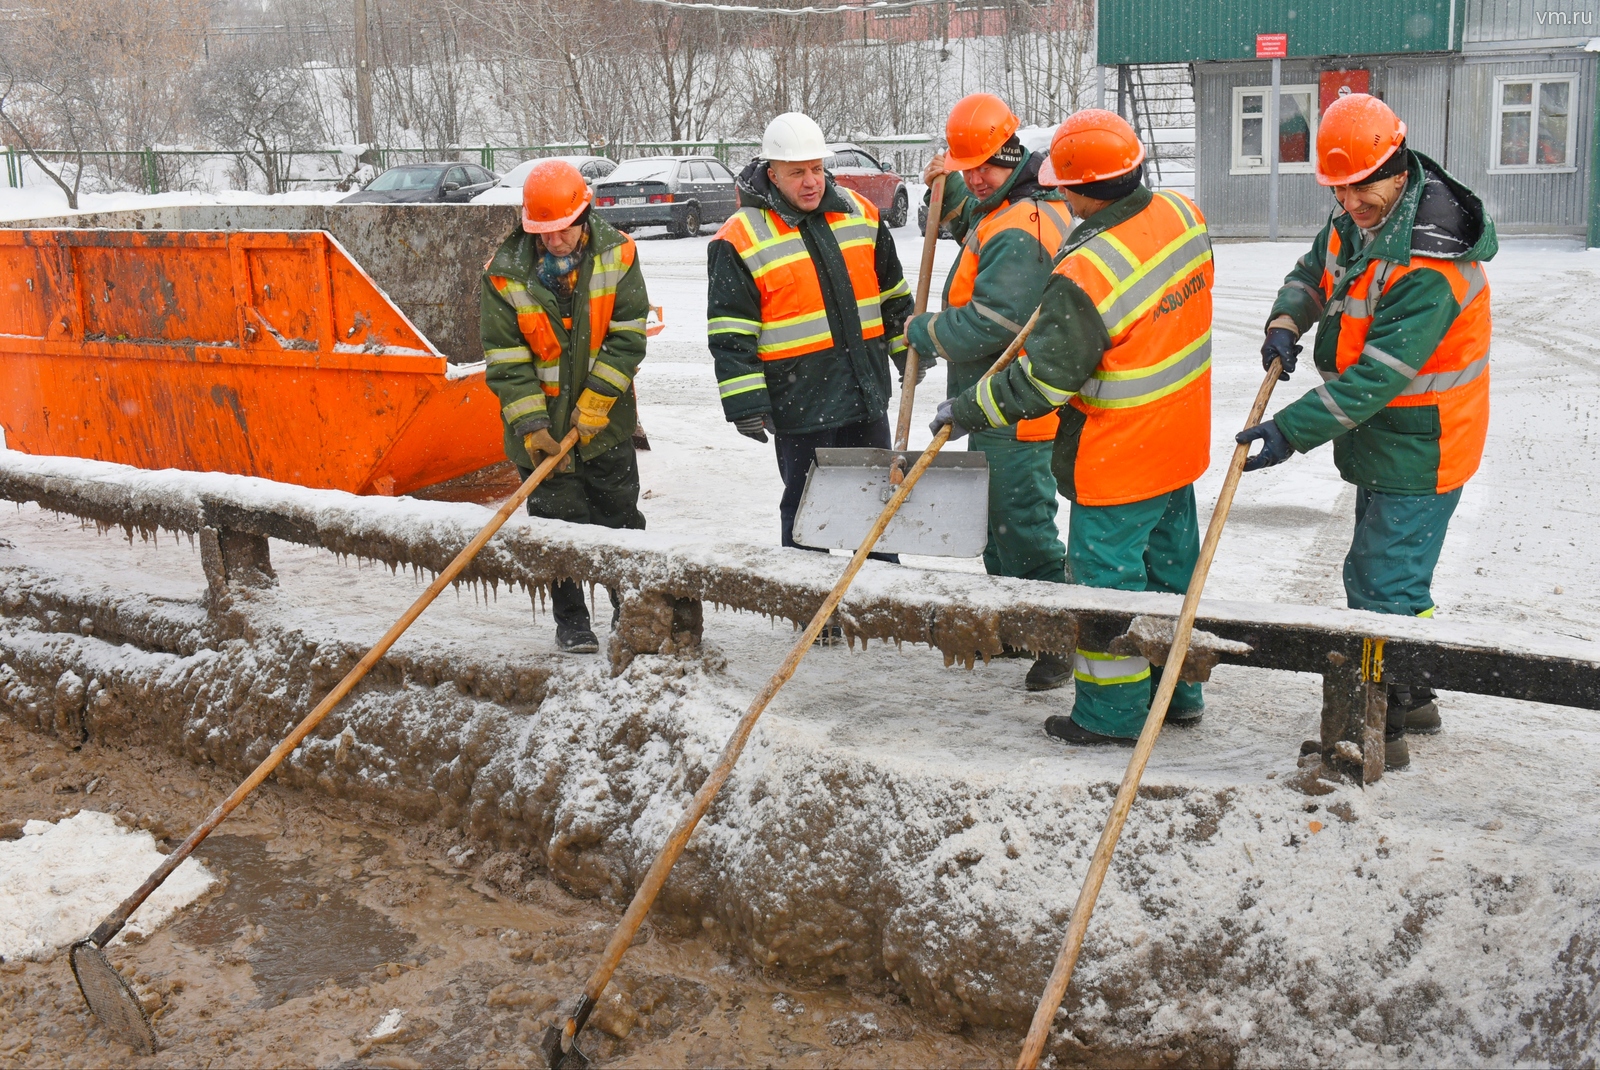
1061	976
119	917
930	241
653	881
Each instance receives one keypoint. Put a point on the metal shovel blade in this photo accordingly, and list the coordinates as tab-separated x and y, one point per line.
555	1058
109	996
946	514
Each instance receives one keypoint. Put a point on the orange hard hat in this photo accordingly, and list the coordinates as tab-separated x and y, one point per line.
1356	135
1090	146
553	195
978	125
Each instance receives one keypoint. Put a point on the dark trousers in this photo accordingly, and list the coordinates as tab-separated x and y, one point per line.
797	453
603	491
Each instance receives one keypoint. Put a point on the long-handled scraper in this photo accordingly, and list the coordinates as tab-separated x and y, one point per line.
103	988
847	488
560	1043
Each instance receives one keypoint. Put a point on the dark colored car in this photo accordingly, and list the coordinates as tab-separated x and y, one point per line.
676	192
855	168
922	222
425	183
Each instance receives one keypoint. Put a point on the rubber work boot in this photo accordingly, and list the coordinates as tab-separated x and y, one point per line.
1184	718
1069	731
831	635
1048	673
576	639
1419	706
1396	755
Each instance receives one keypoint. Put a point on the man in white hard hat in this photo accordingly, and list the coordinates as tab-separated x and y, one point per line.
807	306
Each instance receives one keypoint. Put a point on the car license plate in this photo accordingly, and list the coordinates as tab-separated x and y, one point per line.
630	200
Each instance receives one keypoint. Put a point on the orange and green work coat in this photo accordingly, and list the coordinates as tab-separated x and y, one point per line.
805	309
544	351
1122	350
1402	339
1008	247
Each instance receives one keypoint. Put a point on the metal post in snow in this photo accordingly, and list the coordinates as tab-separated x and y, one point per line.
1270	135
150	174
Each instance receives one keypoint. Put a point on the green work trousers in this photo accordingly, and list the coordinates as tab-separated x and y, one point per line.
1389	568
1141	546
1023	540
603	491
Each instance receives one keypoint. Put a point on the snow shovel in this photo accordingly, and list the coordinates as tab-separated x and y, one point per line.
1061	976
560	1043
846	488
107	994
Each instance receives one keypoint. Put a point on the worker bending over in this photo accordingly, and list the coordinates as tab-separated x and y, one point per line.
1395	286
806	305
1123	350
1010	228
563	310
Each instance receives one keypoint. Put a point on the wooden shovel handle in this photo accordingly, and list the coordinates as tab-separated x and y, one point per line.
653	881
114	921
1061	976
930	242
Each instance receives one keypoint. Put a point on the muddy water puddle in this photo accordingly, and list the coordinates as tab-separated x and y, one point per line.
340	936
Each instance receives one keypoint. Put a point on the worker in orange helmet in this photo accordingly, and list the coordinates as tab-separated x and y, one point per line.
1395	286
1010	227
563	309
1122	350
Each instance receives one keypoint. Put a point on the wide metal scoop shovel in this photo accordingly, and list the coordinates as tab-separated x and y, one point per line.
947	513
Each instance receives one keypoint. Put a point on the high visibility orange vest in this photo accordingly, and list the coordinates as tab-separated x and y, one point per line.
794	320
1456	376
1148	403
534	322
1048	222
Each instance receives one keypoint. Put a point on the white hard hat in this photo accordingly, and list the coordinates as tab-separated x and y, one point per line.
793	136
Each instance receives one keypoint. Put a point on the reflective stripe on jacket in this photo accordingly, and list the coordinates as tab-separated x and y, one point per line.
794	320
1455	377
1147	405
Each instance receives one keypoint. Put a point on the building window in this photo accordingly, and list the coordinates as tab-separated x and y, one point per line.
1297	128
1533	127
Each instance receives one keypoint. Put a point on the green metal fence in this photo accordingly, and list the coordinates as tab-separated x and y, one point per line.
151	168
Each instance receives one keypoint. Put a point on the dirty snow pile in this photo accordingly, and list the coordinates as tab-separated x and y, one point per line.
59	880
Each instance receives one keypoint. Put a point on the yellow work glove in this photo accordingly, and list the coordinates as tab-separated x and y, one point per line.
594	413
541	444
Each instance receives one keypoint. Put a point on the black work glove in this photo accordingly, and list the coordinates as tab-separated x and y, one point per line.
1275	448
756	427
946	415
1280	345
922	373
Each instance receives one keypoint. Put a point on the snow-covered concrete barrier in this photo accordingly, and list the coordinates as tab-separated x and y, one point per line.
1432	917
666	578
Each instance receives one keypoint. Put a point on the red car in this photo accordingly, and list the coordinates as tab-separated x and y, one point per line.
855	168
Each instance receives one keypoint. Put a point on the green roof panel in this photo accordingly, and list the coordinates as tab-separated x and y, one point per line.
1179	31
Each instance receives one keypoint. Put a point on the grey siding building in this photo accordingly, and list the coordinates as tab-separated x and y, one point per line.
1502	92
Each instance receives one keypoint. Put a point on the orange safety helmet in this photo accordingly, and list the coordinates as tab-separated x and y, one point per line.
1092	145
978	125
1356	135
553	195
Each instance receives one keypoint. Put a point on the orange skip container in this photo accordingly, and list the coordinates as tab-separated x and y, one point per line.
258	353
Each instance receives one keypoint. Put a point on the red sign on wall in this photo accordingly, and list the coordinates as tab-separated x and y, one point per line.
1336	84
1272	45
